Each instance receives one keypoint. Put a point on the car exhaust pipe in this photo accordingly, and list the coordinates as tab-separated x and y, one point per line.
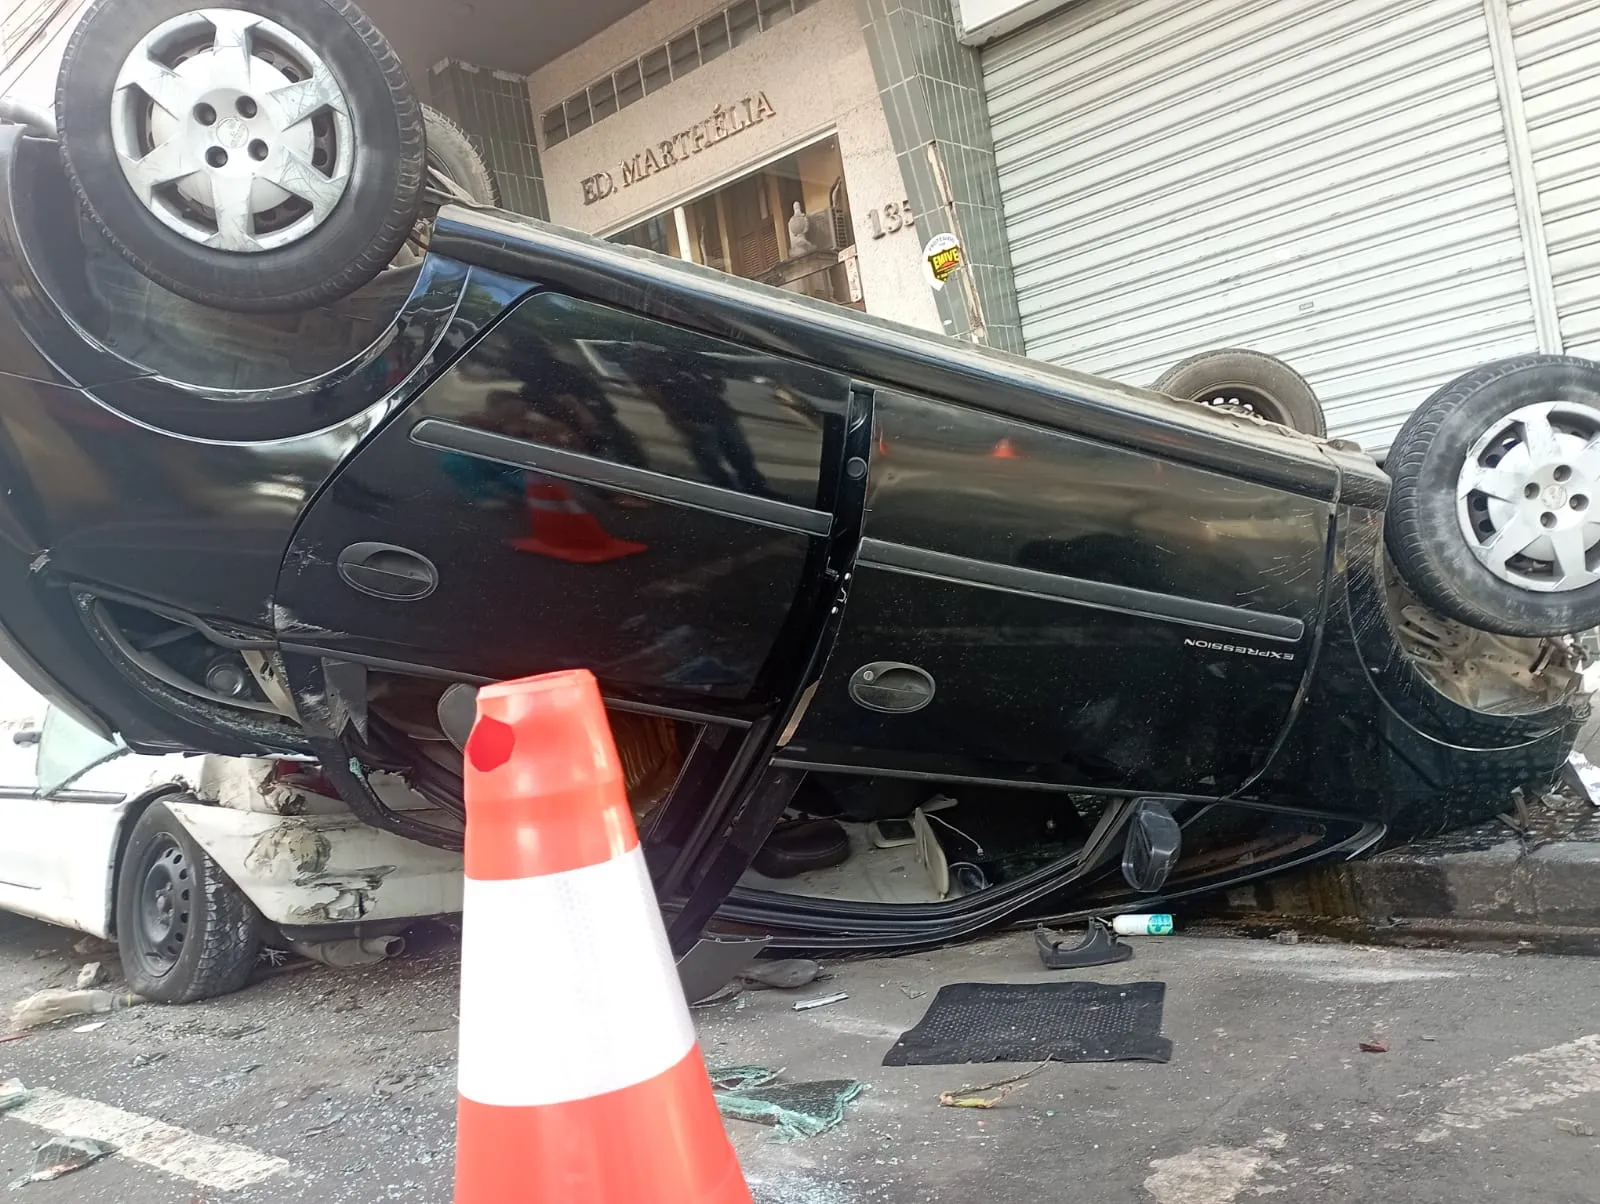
351	954
36	121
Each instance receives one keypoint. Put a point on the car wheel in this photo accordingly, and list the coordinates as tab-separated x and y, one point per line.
452	155
184	930
264	158
1247	381
1495	516
454	167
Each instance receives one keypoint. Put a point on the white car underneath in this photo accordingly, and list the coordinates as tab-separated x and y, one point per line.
191	863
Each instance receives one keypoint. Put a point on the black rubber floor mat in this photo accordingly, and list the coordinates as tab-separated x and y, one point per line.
1030	1022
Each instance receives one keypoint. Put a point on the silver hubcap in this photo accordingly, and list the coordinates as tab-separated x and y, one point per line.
232	131
1528	498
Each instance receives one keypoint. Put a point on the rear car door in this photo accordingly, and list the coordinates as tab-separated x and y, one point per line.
1030	605
585	487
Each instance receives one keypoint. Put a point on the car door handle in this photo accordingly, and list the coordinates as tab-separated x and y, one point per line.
385	570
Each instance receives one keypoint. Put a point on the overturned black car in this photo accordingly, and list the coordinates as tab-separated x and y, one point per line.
901	637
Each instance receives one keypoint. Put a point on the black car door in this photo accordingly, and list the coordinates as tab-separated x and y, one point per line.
585	487
1030	605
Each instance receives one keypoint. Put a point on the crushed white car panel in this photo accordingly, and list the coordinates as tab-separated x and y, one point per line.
314	870
300	856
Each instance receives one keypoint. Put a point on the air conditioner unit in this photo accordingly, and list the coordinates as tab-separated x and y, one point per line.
829	230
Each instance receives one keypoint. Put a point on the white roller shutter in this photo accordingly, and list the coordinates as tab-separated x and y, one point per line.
1558	66
1325	180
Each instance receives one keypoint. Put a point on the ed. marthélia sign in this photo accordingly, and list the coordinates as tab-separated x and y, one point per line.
724	123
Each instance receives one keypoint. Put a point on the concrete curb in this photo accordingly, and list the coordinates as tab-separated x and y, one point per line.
1485	878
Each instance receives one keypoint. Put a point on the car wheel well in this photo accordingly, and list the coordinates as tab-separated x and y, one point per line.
130	820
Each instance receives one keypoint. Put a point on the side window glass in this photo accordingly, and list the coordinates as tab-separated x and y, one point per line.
68	750
602	382
22	715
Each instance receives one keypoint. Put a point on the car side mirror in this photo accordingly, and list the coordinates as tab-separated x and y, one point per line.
26	739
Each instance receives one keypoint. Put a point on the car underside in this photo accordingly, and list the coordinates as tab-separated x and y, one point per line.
901	638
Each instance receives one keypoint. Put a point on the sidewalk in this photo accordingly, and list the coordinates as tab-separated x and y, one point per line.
1532	877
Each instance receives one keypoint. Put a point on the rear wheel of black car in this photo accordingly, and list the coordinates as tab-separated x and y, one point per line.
1495	517
456	171
1246	382
452	155
184	930
265	156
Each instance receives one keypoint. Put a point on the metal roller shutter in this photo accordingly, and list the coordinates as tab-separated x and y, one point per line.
1558	67
1326	181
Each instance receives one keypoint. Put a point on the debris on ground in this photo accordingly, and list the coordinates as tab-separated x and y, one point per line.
1577	1128
1099	946
794	1110
722	994
980	1097
91	946
278	964
93	1026
1288	937
788	975
1562	814
806	1005
1376	1045
233	1076
712	965
46	1007
1159	924
92	975
1581	776
13	1094
335	1119
63	1155
1519	819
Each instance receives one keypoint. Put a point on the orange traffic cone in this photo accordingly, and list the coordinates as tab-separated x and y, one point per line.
580	1080
1004	451
559	527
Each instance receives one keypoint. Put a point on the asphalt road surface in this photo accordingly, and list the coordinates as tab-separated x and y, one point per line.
338	1087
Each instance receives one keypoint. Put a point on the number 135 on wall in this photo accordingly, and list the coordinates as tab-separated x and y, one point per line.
893	219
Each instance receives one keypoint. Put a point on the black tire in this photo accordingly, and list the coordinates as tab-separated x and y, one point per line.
1422	530
1268	386
211	944
450	151
361	235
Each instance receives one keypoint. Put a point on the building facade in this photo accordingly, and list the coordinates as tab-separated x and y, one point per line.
749	138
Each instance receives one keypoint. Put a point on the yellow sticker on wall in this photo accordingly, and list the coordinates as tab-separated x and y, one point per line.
941	257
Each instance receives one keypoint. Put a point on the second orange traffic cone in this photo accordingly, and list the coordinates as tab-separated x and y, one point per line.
580	1078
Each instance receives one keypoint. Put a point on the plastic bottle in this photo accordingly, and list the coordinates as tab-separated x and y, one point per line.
1156	925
